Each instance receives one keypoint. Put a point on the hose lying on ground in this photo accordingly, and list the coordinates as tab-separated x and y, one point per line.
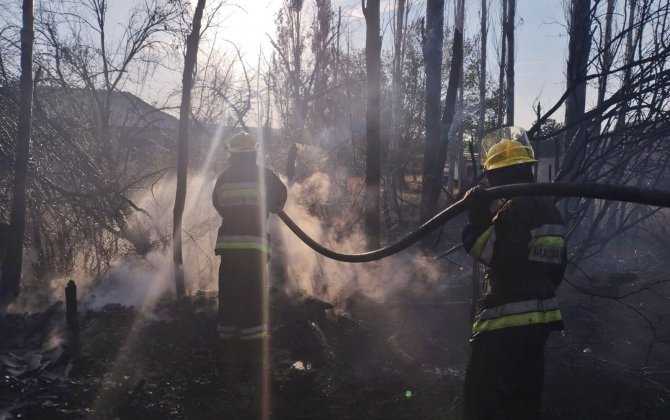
602	191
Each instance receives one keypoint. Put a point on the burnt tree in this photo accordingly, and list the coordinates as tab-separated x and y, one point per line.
182	158
432	55
502	67
373	43
509	38
394	174
579	47
438	156
11	266
483	37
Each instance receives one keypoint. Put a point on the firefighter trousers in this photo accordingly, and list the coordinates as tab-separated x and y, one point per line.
505	374
243	294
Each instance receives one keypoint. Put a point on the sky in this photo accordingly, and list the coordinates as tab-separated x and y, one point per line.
540	39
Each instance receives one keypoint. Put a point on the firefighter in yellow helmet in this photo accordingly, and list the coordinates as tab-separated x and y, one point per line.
521	242
244	195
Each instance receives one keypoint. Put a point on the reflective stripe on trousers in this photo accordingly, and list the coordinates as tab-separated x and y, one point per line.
254	333
226	331
241	242
516	314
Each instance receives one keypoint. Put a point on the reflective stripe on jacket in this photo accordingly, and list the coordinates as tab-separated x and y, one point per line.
547	244
514	314
240	194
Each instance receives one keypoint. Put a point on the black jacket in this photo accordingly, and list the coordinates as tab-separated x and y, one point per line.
523	248
240	194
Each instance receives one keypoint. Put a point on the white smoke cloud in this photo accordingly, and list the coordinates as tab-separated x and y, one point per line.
141	280
312	274
145	273
136	280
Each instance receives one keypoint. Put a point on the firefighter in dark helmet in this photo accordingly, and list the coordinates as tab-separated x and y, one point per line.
244	195
521	241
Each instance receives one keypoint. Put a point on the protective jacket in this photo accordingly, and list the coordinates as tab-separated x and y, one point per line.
244	195
523	248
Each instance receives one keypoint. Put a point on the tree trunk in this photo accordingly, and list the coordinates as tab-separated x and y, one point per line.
336	66
619	209
11	267
483	36
629	52
296	123
511	16
396	109
182	159
503	60
607	52
291	161
430	198
453	87
432	53
575	104
372	125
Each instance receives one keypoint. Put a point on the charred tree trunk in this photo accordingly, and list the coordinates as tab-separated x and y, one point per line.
432	53
396	108
296	122
503	60
483	36
182	159
453	87
373	45
621	117
11	267
336	66
291	162
607	53
629	52
509	35
575	104
431	196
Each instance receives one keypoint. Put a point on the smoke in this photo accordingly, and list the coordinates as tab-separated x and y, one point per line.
144	275
311	274
143	272
135	280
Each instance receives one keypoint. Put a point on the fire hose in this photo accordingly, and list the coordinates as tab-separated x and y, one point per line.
600	191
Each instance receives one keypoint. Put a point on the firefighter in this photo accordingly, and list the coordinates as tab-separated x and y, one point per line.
521	242
244	195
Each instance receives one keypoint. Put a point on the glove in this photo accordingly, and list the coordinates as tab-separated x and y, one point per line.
477	202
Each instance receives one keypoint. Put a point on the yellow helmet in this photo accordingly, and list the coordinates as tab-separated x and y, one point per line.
242	142
506	147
